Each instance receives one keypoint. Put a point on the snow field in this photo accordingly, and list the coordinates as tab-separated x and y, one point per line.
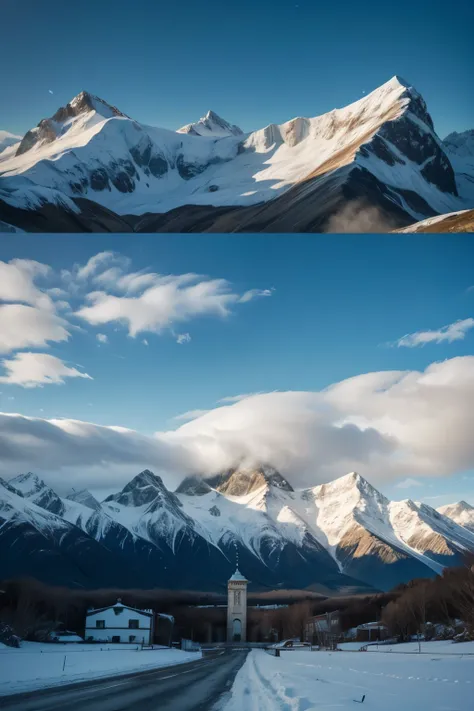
437	647
36	666
307	681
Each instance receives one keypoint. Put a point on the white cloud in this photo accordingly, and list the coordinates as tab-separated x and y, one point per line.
183	338
255	293
408	483
145	342
31	370
17	283
96	263
171	300
131	283
453	332
382	424
102	338
23	326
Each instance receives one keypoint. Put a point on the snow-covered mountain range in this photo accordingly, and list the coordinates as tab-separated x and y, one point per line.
341	536
92	168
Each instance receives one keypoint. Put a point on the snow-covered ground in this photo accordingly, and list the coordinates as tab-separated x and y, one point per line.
35	666
441	647
325	680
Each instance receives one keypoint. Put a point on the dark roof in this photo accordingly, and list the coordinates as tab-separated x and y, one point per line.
124	607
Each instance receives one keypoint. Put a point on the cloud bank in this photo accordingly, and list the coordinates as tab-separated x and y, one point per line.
386	425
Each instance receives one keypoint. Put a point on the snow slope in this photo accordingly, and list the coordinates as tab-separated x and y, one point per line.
8	139
304	681
461	143
383	147
36	666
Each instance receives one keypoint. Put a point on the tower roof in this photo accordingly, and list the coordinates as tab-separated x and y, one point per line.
237	576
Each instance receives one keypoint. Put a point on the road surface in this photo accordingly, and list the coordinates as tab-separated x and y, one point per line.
195	686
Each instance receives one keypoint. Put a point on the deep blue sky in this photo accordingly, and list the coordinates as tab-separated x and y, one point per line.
336	302
254	62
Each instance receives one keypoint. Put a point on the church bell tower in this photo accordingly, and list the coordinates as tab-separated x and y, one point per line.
237	607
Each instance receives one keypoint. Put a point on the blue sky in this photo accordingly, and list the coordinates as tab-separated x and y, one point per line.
254	63
324	309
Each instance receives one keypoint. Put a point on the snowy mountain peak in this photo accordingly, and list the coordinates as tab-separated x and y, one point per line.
30	486
243	481
452	510
85	102
27	484
85	498
193	486
461	513
211	125
351	488
49	129
144	488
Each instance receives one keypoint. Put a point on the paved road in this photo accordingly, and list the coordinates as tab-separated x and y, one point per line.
195	686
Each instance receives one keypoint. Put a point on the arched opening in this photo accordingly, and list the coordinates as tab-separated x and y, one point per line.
236	631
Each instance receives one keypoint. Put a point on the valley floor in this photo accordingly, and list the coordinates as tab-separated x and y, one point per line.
36	666
303	681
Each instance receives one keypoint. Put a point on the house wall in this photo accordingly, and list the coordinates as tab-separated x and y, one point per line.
117	625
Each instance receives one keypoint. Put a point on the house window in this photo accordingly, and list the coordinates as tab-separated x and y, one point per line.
116	639
133	624
100	624
132	638
237	594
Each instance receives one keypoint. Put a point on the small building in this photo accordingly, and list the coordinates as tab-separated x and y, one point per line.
323	630
237	608
371	632
120	624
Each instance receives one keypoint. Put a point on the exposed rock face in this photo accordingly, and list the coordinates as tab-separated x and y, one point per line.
193	486
240	482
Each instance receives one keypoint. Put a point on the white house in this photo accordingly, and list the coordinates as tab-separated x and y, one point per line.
120	623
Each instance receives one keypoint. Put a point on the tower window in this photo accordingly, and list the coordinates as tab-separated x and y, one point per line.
237	598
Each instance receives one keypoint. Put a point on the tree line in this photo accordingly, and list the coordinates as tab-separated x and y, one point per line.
32	610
